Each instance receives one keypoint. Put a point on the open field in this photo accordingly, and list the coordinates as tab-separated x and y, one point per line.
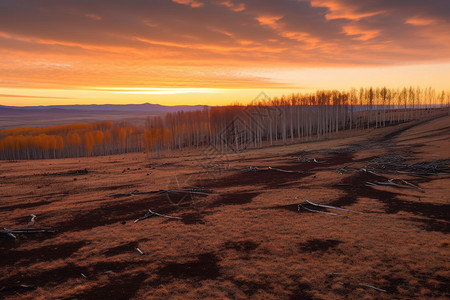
242	233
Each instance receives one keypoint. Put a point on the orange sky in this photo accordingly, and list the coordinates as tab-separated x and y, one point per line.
215	52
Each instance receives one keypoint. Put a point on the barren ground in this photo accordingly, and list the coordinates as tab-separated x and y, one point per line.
246	238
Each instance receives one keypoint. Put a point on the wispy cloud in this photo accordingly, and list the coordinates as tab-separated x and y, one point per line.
30	96
191	3
162	91
234	6
420	21
149	43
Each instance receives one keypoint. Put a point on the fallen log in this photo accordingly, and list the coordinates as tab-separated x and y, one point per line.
5	232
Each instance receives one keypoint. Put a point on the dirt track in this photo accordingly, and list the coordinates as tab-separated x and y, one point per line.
247	237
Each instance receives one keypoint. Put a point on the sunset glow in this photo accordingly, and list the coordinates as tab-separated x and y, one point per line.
215	52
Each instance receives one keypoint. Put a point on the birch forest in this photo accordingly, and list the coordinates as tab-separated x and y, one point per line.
275	121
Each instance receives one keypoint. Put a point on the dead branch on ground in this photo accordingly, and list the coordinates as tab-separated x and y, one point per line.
151	213
307	160
319	211
11	232
256	169
395	164
342	170
365	169
183	191
33	220
391	182
372	287
315	205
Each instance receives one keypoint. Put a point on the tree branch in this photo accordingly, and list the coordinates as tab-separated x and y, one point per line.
151	213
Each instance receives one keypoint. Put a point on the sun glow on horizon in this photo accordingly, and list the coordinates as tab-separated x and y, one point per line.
215	52
279	81
162	91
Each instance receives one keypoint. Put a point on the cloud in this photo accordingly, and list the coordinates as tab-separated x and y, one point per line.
30	96
360	33
94	17
271	21
138	41
340	10
417	21
234	6
191	3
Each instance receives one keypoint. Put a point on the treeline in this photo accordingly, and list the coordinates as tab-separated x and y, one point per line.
101	138
293	118
282	120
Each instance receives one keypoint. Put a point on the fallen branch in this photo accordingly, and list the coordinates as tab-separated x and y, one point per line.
369	171
7	234
404	181
319	211
281	170
328	206
378	183
372	287
307	160
15	288
11	232
151	213
186	191
391	182
256	169
341	170
395	164
302	205
33	220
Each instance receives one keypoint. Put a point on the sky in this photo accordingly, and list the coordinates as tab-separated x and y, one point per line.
215	52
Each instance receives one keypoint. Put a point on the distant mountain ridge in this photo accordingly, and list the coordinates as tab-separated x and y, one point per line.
145	107
41	116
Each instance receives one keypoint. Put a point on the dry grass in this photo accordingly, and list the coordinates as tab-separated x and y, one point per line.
246	239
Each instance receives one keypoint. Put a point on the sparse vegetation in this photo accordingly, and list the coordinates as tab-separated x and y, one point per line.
288	119
247	231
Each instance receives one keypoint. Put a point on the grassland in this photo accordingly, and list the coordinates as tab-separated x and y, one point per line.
245	236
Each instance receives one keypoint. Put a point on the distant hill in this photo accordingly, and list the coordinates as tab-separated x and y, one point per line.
35	116
145	107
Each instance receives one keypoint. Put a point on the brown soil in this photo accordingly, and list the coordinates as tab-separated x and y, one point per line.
246	238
